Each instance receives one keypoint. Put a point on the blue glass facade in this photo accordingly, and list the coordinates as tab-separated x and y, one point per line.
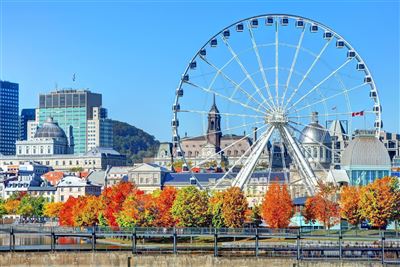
364	177
27	114
9	119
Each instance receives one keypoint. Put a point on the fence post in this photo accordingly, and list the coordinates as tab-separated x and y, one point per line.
93	239
134	240
129	261
52	239
298	245
12	239
340	245
215	243
256	242
174	236
383	247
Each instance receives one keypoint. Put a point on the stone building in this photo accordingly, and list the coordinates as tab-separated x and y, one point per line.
213	147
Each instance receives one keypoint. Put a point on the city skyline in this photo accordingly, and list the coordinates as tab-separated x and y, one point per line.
105	58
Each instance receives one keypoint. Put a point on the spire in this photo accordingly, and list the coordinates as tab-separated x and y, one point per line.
214	108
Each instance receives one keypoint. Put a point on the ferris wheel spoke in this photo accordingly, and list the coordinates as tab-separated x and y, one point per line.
276	64
208	90
328	114
323	129
303	166
283	161
310	155
248	167
345	91
293	64
227	147
238	161
244	70
237	86
222	113
260	64
307	73
319	84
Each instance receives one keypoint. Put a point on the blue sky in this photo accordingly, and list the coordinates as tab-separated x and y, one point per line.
133	52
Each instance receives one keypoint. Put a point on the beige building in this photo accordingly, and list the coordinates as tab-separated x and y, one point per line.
71	186
99	130
148	177
95	159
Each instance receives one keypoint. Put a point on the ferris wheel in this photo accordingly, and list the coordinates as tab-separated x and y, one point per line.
276	73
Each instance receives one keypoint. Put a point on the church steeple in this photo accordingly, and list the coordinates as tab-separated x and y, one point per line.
214	126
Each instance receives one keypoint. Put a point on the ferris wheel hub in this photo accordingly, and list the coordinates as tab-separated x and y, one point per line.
277	118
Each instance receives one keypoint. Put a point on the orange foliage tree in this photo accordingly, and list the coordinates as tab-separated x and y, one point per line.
379	201
86	211
323	206
277	207
112	199
350	204
164	200
52	209
234	207
11	206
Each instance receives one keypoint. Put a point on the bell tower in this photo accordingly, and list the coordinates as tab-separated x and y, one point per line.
214	127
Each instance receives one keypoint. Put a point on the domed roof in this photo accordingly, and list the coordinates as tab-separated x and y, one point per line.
366	150
50	129
314	132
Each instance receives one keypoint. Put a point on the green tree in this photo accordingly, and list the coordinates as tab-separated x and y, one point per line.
216	203
190	208
135	143
3	210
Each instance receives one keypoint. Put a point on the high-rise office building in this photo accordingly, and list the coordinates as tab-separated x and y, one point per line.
9	119
27	114
75	111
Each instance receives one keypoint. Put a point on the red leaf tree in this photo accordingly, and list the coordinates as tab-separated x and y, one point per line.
113	197
323	206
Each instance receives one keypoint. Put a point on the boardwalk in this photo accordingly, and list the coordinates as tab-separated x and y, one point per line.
381	246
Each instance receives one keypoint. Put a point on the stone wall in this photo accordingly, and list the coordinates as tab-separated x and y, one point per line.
121	259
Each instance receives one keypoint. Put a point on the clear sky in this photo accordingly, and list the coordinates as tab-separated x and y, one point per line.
133	52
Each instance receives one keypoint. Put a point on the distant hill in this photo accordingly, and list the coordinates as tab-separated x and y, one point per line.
135	143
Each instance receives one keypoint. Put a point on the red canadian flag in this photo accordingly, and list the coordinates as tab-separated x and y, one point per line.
357	114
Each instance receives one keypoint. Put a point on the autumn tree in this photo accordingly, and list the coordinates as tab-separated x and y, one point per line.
137	210
11	206
86	211
66	212
164	199
190	208
112	199
215	205
308	212
379	201
52	209
234	207
323	206
277	207
350	204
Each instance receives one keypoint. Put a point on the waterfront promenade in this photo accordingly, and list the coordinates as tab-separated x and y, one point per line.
370	245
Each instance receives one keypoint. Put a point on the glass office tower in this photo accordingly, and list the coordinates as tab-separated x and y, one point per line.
9	119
